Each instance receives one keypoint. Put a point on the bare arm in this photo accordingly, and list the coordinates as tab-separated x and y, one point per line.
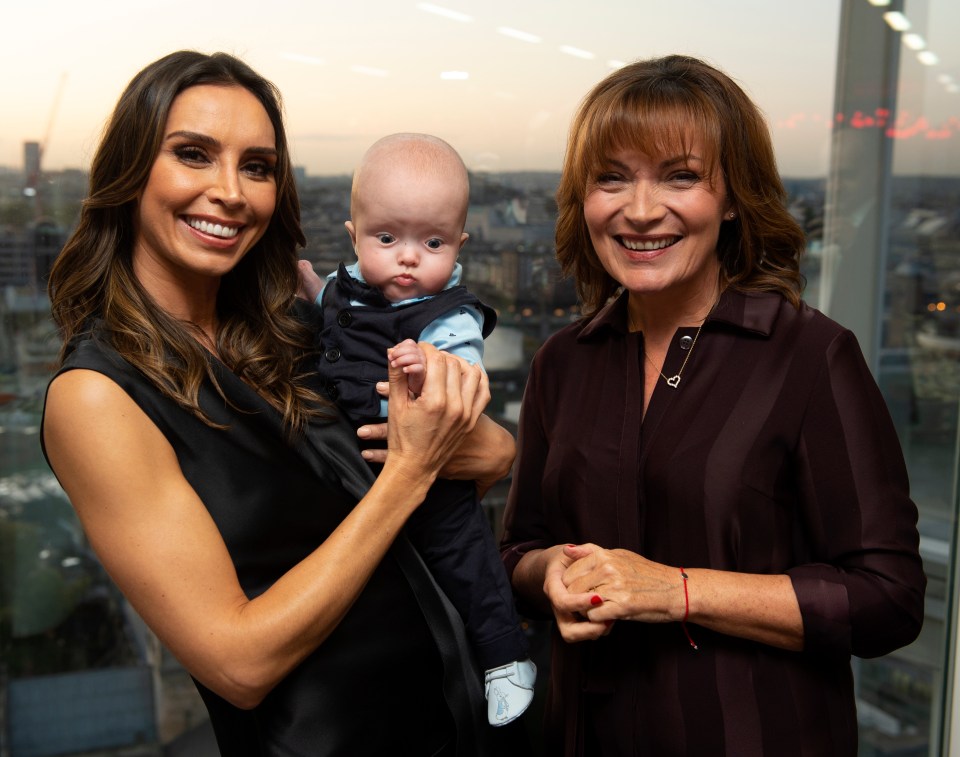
159	544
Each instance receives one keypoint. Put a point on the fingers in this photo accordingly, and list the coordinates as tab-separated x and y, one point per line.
580	617
587	568
574	629
310	285
579	551
397	380
374	431
575	612
407	354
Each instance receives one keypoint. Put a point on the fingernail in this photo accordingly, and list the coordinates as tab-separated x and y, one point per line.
596	599
363	432
571	546
383	384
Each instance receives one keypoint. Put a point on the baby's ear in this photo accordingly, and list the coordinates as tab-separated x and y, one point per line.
463	240
352	231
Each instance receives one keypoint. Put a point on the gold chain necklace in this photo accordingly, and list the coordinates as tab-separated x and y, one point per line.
674	381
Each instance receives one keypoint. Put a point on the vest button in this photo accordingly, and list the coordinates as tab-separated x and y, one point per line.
332	355
686	342
344	318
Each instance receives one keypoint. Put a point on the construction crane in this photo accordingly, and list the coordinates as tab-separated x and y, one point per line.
35	176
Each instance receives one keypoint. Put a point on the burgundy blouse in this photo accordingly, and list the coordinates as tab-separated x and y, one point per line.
776	454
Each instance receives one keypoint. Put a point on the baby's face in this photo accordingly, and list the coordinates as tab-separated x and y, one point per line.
407	235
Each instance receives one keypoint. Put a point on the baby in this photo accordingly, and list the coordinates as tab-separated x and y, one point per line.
408	208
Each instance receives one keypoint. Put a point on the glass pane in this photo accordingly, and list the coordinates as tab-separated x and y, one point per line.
500	81
891	250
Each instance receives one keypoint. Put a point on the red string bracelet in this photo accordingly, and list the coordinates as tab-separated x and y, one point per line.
686	612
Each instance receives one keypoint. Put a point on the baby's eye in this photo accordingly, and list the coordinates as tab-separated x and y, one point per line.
434	244
385	238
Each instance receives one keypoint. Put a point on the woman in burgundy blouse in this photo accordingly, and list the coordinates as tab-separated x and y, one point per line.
710	498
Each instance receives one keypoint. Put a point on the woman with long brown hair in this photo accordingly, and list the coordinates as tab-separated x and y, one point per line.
219	489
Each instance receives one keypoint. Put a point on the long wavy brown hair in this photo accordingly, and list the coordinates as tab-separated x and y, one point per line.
662	106
92	283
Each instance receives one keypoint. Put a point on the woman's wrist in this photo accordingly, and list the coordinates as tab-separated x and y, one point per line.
407	481
485	455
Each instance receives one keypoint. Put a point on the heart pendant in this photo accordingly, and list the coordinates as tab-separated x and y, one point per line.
673	382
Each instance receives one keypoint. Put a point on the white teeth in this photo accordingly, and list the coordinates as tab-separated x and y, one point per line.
214	229
658	244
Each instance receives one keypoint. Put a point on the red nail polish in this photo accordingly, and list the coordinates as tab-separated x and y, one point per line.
596	599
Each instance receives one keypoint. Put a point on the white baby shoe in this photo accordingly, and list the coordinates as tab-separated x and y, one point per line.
509	691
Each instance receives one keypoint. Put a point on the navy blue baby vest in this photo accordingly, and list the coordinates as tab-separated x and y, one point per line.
355	338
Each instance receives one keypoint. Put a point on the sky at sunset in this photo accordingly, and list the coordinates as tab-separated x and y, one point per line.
498	79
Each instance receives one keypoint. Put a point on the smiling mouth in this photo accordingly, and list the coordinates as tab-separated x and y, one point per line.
213	229
650	245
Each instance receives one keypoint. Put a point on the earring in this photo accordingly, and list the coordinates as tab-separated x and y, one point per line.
732	215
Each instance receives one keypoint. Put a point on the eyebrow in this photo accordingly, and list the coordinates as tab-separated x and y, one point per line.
681	159
206	139
667	163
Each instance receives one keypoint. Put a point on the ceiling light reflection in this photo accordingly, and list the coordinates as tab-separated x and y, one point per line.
896	21
298	58
928	58
576	52
614	63
914	41
367	71
880	3
517	34
445	12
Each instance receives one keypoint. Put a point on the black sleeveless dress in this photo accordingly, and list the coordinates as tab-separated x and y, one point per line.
394	677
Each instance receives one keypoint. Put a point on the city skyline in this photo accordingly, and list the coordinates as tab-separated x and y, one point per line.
499	80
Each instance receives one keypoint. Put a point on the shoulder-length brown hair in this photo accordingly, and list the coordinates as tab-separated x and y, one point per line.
92	280
659	106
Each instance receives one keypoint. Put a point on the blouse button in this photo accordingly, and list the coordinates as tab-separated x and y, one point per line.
686	342
344	318
332	355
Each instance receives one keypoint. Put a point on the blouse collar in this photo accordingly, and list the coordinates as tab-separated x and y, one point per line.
755	312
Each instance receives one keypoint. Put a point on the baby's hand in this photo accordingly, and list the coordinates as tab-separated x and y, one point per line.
408	356
310	284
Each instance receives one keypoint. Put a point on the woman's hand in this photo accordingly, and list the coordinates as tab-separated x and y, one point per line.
425	430
485	455
539	576
628	586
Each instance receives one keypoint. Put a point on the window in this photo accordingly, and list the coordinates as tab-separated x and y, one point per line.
499	80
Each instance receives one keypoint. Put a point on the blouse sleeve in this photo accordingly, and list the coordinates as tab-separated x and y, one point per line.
862	593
